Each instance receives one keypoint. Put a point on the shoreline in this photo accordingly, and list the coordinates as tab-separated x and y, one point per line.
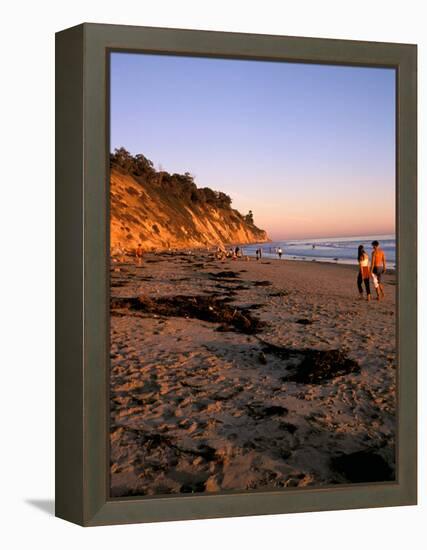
193	251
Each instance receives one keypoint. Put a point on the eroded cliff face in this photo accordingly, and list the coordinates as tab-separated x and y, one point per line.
154	212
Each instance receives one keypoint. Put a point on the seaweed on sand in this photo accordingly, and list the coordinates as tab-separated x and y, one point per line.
278	294
205	308
363	467
224	275
314	366
262	283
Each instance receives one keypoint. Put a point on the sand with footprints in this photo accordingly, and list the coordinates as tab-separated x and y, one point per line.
246	375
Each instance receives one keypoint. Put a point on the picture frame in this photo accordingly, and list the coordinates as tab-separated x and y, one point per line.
82	272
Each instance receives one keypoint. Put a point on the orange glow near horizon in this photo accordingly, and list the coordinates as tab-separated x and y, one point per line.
325	220
302	211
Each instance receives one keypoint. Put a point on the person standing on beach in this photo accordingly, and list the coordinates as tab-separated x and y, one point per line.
120	253
364	272
279	252
378	268
139	254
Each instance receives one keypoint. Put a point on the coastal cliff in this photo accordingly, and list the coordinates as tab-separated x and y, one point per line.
160	210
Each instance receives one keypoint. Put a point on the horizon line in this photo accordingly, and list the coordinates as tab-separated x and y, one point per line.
369	235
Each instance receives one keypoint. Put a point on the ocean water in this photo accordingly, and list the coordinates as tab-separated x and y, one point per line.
342	250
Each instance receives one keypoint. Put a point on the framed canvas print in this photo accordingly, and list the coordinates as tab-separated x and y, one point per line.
236	274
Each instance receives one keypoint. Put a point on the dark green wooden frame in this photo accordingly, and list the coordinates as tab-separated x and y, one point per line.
82	355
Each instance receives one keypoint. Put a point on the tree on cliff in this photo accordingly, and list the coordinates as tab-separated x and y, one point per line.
137	165
249	217
181	186
122	158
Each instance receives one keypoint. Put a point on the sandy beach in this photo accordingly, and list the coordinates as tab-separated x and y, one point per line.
248	375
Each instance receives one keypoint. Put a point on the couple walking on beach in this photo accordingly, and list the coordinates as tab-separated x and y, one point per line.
258	253
376	268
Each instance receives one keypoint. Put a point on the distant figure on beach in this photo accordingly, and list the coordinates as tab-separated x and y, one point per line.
122	254
279	253
237	251
139	254
364	272
258	253
220	253
378	268
116	253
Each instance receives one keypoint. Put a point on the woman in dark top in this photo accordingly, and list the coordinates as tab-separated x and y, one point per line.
364	272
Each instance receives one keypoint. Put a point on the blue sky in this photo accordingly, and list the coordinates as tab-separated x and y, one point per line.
309	148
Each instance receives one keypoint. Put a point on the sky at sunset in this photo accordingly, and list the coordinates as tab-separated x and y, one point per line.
310	149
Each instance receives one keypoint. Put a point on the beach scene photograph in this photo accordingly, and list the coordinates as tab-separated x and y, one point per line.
253	261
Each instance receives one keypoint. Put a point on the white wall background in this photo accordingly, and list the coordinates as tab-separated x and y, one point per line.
27	270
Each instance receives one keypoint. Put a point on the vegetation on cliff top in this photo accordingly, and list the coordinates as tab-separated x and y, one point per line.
181	186
158	210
